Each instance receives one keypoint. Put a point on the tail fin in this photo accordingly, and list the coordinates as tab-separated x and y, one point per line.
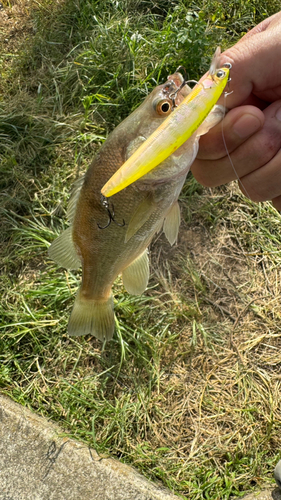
92	316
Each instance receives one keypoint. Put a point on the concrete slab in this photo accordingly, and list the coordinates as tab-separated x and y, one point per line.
37	464
268	494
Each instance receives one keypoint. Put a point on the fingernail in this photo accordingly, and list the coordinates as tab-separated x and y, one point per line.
278	114
246	126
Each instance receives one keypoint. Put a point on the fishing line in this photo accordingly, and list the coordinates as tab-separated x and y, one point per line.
232	164
227	152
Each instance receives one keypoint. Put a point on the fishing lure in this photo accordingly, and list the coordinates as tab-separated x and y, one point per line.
174	131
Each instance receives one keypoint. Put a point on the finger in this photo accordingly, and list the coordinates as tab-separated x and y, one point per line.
275	18
253	61
276	202
238	125
264	183
252	154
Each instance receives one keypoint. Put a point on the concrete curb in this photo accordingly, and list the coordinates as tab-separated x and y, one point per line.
37	464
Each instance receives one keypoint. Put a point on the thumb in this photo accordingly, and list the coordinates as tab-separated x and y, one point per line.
254	61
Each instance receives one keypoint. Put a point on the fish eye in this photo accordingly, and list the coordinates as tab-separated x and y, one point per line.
220	73
163	107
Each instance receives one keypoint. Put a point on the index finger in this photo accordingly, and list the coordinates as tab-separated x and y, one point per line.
254	64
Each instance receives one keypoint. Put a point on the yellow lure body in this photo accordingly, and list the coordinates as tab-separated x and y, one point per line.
172	133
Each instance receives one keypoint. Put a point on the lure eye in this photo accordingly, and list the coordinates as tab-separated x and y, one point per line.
220	74
163	107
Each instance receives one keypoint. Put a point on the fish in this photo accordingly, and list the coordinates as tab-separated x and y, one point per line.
111	236
175	130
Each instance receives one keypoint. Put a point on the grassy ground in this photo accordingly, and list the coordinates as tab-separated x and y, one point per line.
188	391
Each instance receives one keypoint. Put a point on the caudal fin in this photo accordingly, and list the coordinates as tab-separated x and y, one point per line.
92	316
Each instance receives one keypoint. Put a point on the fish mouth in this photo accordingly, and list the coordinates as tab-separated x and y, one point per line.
174	86
184	120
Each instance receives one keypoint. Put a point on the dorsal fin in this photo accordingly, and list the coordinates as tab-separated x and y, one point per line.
140	215
76	188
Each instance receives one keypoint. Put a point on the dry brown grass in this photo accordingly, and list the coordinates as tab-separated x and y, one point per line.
221	393
15	24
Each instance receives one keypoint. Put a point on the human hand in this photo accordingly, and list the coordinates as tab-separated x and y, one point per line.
252	127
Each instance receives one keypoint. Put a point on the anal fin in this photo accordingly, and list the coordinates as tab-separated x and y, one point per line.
136	275
63	252
172	223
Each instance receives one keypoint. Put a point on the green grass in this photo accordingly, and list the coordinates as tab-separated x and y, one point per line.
188	391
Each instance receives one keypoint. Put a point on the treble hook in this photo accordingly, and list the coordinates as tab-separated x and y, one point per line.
111	214
174	94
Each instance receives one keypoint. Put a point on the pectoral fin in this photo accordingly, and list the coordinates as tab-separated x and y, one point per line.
140	216
172	224
136	275
63	252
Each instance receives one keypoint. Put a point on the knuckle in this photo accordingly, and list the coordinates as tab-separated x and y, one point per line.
269	144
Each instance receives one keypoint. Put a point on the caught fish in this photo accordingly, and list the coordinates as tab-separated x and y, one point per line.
109	237
174	131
